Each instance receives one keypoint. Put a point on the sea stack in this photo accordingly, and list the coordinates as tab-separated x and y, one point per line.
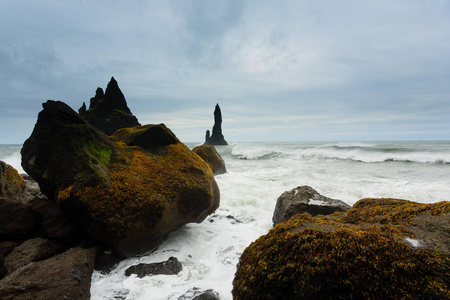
108	111
217	137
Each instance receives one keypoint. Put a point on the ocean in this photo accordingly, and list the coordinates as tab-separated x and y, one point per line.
258	173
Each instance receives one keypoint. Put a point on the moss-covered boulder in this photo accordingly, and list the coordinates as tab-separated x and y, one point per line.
127	191
209	154
380	249
12	184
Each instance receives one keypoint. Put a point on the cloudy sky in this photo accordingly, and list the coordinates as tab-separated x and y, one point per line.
280	70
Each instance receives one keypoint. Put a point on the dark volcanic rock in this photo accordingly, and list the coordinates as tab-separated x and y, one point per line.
63	148
3	269
64	276
197	294
209	154
31	250
170	267
217	137
106	260
109	112
7	246
305	199
127	191
17	220
379	249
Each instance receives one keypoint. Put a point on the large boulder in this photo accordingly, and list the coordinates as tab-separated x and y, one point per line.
109	111
209	154
305	199
127	191
380	249
64	276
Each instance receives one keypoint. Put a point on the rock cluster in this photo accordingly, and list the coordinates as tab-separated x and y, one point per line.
40	253
217	137
379	249
108	111
127	191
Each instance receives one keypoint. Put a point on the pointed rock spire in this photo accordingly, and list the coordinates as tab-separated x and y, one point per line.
217	137
109	111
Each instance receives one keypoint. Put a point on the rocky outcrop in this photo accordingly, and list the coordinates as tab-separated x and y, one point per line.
109	111
64	276
217	137
127	191
210	155
305	199
380	249
170	267
29	251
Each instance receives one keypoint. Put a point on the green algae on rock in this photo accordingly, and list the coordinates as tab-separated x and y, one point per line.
341	256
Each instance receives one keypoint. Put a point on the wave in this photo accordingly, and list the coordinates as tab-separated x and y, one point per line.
358	152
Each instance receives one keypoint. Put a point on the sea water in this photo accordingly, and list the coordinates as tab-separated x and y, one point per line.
258	173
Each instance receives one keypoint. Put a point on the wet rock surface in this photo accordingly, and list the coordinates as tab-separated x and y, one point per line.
305	199
170	267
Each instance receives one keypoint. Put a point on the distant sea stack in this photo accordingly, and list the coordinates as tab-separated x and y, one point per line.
217	137
108	111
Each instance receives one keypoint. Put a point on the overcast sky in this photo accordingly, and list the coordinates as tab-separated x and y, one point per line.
280	70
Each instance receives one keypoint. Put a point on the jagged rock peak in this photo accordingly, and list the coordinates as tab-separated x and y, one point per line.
108	111
217	137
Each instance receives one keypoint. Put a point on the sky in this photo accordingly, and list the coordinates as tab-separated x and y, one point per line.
280	70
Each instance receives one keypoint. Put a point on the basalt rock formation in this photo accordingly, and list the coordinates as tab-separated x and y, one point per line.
108	111
210	155
217	137
379	249
128	190
305	199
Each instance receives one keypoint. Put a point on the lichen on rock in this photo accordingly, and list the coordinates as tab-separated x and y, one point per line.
126	191
361	254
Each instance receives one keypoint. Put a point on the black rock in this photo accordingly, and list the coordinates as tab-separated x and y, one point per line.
170	267
217	137
305	199
109	111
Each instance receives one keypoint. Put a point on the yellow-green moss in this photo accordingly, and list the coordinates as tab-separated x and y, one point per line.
102	154
141	185
11	183
381	210
354	257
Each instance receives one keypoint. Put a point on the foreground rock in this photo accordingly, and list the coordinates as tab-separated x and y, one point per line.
217	137
380	249
197	294
210	155
170	267
305	199
65	276
32	250
109	111
128	191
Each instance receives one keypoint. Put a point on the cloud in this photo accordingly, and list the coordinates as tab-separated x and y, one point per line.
279	69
